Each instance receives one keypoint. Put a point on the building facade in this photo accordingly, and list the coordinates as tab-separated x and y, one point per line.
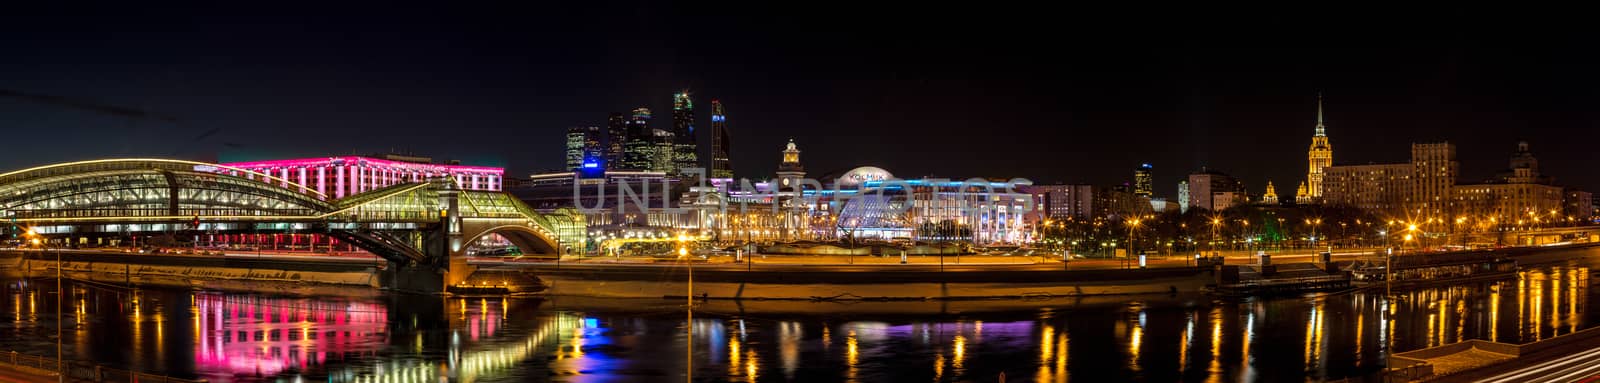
984	213
790	170
1320	157
1382	188
1436	170
638	148
1579	204
662	159
1143	181
1064	201
1119	201
685	149
616	137
1420	188
1271	195
1205	186
1508	204
341	176
1183	196
1518	196
721	144
583	146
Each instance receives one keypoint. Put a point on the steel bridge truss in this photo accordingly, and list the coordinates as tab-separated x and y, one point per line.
391	221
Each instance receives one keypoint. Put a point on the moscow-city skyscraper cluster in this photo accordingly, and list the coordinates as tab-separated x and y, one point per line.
629	142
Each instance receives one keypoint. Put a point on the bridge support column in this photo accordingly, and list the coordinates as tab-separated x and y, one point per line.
458	271
413	279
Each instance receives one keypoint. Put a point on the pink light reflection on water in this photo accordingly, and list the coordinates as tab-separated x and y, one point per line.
259	343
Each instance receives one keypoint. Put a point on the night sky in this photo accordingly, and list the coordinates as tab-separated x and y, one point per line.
1054	95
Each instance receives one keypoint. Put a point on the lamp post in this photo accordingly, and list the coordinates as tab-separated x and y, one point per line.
1342	234
1215	222
1387	228
1313	223
1385	235
1249	244
1132	247
688	324
1284	234
1411	231
61	373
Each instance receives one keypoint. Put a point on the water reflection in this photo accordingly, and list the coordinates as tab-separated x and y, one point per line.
246	335
228	337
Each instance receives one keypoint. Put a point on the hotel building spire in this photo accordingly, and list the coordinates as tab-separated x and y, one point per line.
1321	130
1319	157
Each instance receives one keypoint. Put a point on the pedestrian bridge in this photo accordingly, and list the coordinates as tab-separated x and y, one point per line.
423	224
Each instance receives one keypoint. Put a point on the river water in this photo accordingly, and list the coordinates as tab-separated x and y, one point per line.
251	337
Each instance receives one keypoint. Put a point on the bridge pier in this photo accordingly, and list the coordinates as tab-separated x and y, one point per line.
458	271
420	279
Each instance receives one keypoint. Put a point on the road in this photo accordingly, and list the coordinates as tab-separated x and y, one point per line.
1577	362
1582	366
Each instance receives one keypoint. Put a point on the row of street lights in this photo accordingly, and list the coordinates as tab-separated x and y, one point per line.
34	238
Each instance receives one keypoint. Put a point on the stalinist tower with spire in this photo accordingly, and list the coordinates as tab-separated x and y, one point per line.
1321	156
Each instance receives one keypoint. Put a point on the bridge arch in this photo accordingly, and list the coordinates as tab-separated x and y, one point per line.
528	239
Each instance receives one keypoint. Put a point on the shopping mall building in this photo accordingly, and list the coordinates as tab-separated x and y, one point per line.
341	176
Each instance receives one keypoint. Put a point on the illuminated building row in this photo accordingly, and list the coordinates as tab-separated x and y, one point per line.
342	176
1427	187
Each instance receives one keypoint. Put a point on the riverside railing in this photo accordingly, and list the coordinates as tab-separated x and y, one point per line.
86	372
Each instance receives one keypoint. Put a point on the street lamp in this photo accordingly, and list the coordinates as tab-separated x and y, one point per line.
61	372
1132	224
1313	223
1214	224
1410	230
1342	234
1408	238
688	324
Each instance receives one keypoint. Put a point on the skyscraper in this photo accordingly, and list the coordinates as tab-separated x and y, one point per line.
661	158
1320	156
721	166
594	149
684	146
583	146
1436	169
1183	196
616	136
1142	183
574	148
639	148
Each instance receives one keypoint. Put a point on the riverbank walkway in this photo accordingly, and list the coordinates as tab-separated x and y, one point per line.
791	262
10	374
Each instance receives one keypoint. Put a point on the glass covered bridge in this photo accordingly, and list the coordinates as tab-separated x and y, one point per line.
424	224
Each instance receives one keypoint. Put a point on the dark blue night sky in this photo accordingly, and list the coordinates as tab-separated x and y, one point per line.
1052	94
